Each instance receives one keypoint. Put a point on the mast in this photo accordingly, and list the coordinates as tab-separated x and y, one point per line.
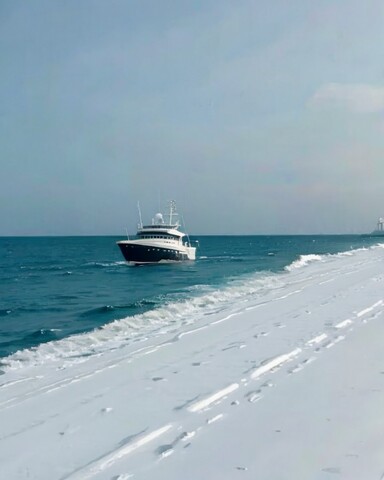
141	221
172	210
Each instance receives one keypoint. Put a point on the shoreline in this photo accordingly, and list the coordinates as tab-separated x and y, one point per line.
288	386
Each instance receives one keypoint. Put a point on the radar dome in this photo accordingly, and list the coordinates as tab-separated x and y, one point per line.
159	218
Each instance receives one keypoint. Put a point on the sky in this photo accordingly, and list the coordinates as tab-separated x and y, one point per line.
256	117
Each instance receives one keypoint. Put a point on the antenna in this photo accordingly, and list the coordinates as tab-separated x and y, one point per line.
141	221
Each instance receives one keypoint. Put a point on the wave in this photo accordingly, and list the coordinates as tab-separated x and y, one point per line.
158	321
303	261
42	267
45	334
97	311
104	264
163	319
143	303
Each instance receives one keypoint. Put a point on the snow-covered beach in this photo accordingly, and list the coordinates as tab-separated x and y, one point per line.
286	384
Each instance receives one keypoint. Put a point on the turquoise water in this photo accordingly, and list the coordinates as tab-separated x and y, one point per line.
55	287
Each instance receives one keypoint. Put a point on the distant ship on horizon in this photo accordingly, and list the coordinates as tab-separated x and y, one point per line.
379	231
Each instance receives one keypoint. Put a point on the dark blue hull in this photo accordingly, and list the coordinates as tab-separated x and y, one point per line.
147	254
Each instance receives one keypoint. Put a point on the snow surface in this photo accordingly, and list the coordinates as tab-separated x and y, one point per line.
284	383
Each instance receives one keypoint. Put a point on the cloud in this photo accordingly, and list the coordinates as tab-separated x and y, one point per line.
360	98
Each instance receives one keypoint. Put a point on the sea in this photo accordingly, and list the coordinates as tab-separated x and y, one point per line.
75	296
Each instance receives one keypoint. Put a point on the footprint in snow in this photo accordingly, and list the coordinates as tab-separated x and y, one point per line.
295	369
214	419
234	345
253	396
106	410
334	470
267	384
261	334
186	435
165	450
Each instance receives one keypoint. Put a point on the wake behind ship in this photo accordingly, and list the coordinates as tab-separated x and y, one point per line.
160	242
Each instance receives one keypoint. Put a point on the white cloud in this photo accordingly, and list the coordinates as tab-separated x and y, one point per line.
359	98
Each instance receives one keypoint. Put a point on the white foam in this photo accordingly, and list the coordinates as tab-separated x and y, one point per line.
105	264
303	261
116	334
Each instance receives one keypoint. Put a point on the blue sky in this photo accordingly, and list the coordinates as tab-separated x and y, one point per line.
255	116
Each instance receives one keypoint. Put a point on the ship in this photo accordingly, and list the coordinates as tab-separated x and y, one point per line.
379	231
160	242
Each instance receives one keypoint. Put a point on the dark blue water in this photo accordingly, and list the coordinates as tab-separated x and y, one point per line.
51	288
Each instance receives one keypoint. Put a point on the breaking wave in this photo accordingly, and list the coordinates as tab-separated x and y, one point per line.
304	260
168	318
159	321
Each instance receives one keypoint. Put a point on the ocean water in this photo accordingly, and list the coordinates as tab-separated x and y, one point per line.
74	296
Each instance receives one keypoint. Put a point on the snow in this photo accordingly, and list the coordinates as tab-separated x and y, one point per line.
284	383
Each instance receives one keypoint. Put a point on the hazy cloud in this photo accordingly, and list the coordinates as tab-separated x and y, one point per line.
359	98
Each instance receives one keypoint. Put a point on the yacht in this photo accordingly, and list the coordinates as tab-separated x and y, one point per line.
160	242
